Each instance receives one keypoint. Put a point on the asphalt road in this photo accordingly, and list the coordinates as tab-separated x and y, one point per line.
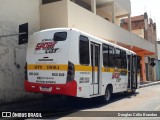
145	99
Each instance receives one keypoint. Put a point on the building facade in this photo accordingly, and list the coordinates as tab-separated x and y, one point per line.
101	18
145	27
158	61
13	56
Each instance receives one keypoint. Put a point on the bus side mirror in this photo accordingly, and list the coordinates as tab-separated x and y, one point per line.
23	34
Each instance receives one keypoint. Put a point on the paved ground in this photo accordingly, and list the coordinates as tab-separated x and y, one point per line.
148	83
145	99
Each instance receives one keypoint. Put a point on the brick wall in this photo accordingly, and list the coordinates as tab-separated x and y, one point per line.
138	22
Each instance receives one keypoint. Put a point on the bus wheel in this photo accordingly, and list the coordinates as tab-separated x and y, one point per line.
134	91
107	96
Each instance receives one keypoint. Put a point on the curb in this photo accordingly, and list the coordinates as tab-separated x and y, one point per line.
150	84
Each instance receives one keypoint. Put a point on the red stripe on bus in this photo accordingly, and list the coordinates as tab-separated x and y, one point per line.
70	88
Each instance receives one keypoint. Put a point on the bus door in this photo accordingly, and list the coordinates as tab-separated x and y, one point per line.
95	62
129	57
132	72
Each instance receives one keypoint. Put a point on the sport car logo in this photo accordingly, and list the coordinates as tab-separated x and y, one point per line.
46	47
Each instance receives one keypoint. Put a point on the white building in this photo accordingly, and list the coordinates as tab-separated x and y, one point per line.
97	17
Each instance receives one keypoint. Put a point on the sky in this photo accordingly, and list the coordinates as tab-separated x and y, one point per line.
152	7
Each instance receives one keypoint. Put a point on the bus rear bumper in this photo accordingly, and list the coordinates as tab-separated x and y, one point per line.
70	88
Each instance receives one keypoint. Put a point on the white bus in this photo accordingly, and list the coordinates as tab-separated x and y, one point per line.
73	63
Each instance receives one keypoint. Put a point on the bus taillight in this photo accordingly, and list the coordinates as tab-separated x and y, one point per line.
71	72
25	72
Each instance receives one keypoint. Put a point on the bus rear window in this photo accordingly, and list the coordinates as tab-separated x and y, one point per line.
60	36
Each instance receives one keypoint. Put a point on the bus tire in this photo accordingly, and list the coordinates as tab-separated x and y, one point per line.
134	91
107	96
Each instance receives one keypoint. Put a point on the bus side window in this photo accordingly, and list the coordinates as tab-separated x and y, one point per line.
111	56
121	61
105	55
124	59
108	56
84	50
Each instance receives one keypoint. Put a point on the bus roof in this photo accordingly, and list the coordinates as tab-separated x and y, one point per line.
88	35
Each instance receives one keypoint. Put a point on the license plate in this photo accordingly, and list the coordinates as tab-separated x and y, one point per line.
46	89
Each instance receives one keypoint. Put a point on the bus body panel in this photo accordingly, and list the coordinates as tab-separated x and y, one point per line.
83	74
48	70
47	65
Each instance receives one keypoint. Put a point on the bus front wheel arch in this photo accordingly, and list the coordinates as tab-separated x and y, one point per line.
108	93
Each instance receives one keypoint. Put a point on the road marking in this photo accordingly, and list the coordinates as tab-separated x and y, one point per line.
157	108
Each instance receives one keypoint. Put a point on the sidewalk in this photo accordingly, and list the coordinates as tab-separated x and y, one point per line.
148	83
